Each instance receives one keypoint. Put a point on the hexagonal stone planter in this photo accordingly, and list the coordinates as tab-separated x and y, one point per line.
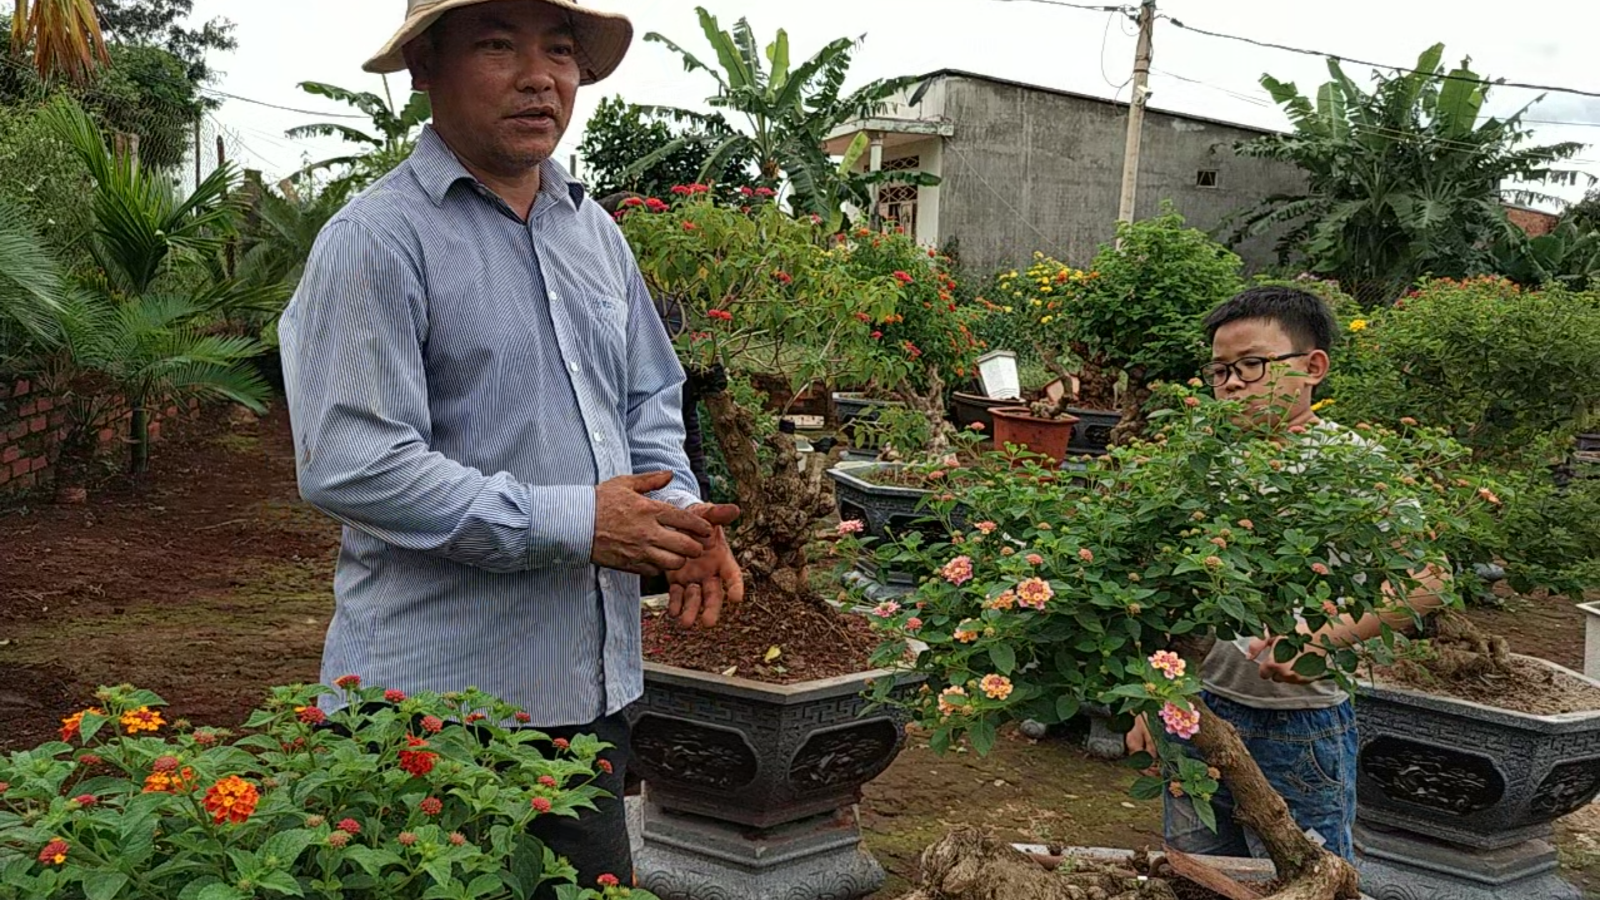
751	787
886	510
1472	774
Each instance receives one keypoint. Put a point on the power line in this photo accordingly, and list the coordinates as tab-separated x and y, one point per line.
1122	9
304	112
1377	65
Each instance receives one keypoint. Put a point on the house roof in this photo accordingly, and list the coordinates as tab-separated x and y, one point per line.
962	73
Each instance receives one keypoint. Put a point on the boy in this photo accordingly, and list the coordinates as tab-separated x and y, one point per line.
1269	349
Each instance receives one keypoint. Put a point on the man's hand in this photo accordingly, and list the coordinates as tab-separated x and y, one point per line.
698	590
1139	740
634	533
1262	650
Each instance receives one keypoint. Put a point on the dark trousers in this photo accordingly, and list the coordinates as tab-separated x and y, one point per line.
596	843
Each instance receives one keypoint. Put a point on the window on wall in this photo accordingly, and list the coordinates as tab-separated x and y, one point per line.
897	203
1206	178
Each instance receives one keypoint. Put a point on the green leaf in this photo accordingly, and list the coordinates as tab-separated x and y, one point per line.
483	884
1206	812
939	741
439	869
372	861
102	885
1311	665
1283	651
286	846
1141	760
1066	707
982	735
280	883
1003	657
526	866
219	891
1147	787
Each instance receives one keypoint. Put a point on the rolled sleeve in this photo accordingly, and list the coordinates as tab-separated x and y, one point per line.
356	383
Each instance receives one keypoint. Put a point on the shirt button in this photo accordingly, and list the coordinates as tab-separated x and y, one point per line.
555	296
599	438
574	367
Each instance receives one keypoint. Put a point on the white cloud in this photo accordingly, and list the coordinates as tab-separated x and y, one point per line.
287	41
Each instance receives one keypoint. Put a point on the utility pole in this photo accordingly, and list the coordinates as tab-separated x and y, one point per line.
1141	80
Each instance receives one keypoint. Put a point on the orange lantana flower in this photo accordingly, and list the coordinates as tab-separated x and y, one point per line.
71	724
170	782
231	800
142	719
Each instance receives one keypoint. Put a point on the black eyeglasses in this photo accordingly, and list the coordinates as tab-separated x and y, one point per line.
1250	370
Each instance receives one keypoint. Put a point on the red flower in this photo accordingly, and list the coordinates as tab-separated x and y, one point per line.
54	853
164	764
561	743
311	715
764	192
406	838
417	762
475	717
347	682
656	206
523	718
607	880
547	780
351	826
632	201
681	190
231	800
746	192
721	315
540	804
394	696
89	759
876	335
604	765
689	226
432	724
457	839
431	806
863	318
84	799
783	277
912	349
903	277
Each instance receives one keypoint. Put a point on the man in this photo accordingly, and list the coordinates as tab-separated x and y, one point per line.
1270	350
483	394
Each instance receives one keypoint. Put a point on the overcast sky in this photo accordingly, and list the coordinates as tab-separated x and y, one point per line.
283	42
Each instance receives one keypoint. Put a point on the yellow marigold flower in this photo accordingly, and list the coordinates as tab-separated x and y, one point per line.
1006	308
1046	320
1321	405
142	719
1359	325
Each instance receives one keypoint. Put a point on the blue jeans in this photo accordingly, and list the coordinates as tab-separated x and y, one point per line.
1308	756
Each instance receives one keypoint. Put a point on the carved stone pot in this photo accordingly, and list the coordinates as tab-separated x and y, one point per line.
1478	785
751	788
885	509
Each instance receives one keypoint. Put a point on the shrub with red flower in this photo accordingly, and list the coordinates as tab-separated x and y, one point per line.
277	789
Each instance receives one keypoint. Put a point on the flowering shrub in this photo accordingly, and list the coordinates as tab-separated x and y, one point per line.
1035	301
929	339
1499	366
380	799
1075	589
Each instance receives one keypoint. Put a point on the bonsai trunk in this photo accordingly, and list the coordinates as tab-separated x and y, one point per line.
780	503
1132	423
930	403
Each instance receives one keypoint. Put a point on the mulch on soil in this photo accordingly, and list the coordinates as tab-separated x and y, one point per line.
814	641
1526	687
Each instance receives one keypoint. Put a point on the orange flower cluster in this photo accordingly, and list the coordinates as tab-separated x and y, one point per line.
180	781
231	800
142	719
71	726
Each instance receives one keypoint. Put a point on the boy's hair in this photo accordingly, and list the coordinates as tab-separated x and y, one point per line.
1303	316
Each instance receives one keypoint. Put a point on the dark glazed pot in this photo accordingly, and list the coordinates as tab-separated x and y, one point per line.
761	754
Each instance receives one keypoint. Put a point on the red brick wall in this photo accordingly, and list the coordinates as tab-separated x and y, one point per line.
1532	221
33	425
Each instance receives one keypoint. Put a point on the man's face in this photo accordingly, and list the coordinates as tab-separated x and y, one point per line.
1260	347
502	77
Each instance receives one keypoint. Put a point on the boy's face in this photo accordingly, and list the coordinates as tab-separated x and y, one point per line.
1270	374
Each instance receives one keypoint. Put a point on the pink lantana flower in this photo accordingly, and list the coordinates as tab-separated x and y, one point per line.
1169	663
1034	593
958	571
1180	722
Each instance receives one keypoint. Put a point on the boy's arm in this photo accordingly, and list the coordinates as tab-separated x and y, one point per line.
1347	631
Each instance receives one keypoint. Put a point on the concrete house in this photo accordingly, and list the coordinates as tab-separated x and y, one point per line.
1027	168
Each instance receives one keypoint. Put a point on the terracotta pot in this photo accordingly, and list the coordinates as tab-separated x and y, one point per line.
967	408
1016	425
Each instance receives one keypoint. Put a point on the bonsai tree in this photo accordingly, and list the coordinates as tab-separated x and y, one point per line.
761	295
380	799
1112	587
1137	318
926	343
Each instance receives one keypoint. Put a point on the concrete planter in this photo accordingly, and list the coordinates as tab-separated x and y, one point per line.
751	788
1092	436
850	406
886	509
1471	774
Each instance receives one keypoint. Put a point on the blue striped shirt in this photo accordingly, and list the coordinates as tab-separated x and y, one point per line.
458	382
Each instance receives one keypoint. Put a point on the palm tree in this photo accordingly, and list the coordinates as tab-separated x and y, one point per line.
64	36
1402	181
394	138
30	286
790	112
127	327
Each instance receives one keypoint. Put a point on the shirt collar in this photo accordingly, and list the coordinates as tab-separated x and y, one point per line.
438	170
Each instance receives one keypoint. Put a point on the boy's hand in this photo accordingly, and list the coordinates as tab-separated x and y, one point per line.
1139	740
1262	651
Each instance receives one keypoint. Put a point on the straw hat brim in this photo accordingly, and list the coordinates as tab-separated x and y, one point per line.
602	38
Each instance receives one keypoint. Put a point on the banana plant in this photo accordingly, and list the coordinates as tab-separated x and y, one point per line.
392	138
1403	180
788	110
64	36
